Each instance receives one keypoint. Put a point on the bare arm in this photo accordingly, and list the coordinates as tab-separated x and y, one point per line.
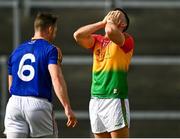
114	34
9	81
61	92
83	35
112	31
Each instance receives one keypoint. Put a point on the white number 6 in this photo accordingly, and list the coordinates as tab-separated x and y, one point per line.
29	68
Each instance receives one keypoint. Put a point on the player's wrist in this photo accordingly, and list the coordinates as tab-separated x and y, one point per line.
101	24
110	22
67	108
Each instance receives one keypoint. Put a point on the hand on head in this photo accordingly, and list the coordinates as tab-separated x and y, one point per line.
113	17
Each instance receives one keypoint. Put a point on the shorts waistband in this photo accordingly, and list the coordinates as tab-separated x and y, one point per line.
30	97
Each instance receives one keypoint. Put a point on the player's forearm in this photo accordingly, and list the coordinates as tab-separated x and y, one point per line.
114	34
87	30
59	84
61	92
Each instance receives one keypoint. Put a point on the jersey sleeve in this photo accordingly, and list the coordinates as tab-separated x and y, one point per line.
128	44
96	38
53	56
9	66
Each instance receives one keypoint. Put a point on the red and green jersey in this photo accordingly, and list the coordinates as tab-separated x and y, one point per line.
110	67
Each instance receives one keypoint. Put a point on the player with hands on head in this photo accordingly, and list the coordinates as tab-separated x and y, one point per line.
112	52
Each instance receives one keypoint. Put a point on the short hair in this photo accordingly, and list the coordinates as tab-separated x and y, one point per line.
126	17
44	20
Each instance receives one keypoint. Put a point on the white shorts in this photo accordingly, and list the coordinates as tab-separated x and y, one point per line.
30	115
107	115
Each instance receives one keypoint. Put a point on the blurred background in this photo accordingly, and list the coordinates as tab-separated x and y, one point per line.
154	75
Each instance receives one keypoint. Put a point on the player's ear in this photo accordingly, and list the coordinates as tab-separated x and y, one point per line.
50	29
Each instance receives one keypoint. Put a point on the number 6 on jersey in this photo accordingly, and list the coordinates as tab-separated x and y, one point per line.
29	68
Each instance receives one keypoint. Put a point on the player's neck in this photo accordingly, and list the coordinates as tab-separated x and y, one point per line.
39	35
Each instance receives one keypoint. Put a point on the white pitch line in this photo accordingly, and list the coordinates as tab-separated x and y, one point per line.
136	60
136	115
3	60
69	4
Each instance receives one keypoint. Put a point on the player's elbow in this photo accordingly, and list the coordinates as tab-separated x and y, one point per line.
80	38
77	35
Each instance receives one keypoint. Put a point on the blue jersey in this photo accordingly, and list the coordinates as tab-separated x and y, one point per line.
28	65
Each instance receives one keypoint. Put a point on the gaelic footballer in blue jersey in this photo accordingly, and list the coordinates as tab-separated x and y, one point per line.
34	69
28	65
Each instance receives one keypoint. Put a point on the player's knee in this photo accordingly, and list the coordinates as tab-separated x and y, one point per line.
120	133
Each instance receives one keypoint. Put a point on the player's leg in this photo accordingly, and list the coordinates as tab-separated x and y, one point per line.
40	118
120	133
97	126
16	135
15	123
55	129
115	116
125	116
102	135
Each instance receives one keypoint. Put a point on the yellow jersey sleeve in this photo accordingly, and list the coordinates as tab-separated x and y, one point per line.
60	57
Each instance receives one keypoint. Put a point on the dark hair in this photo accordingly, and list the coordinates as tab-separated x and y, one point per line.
44	20
126	17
